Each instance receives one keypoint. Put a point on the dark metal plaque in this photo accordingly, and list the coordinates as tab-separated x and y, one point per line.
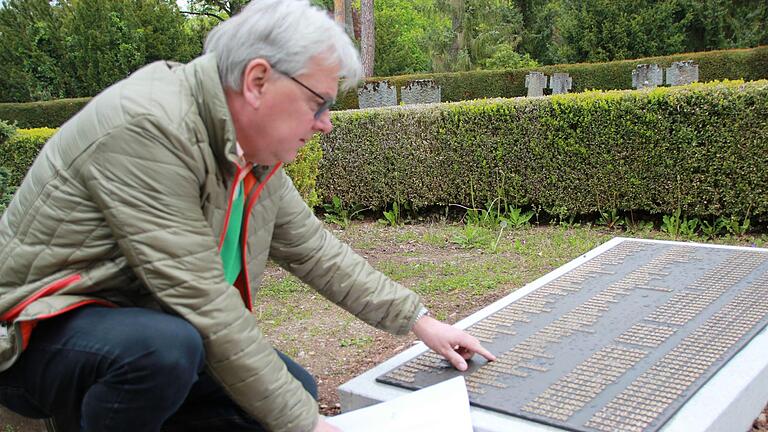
620	342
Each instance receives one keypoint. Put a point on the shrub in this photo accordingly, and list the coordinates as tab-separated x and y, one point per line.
702	148
18	153
41	114
7	130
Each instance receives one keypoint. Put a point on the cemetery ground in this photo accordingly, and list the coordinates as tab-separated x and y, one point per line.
457	269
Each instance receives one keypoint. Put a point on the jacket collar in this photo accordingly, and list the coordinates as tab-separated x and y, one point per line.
202	74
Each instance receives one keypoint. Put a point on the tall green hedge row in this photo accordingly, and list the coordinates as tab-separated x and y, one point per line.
746	64
41	114
701	148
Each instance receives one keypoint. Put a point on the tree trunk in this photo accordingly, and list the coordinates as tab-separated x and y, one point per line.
339	12
349	19
368	36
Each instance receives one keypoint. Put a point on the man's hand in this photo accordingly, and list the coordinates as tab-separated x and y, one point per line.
324	426
453	344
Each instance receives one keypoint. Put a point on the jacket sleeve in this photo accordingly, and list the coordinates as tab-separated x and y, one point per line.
302	245
147	181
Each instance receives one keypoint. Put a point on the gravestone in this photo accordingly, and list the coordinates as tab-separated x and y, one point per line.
560	83
682	73
376	94
535	82
420	92
647	76
637	335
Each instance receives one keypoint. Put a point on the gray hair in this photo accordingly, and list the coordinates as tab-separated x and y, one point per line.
286	33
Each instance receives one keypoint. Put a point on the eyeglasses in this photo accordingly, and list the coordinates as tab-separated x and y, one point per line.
325	106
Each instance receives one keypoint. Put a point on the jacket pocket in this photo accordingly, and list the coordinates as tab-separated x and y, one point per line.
45	291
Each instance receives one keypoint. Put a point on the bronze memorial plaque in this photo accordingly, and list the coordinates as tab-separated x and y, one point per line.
618	343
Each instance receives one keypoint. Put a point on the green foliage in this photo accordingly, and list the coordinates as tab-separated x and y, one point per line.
18	153
6	190
506	57
747	64
7	130
42	114
77	48
393	217
599	30
696	148
518	219
473	236
303	171
479	28
341	215
401	27
106	40
31	49
611	219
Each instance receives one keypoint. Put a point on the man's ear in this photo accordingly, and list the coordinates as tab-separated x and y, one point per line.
254	79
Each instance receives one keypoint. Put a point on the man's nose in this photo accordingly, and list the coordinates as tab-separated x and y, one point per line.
323	123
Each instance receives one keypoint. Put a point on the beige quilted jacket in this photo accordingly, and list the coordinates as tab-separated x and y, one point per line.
125	206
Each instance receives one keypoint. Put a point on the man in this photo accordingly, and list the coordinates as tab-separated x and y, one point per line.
130	252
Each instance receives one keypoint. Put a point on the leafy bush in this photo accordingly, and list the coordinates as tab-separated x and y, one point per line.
18	153
6	191
42	114
7	130
701	148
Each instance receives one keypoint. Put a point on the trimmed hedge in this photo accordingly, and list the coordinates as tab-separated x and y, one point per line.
18	153
41	114
746	64
702	148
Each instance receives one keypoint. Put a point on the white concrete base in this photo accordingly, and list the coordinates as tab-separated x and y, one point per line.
730	401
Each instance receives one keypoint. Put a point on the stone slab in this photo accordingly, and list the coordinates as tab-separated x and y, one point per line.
732	398
647	76
535	82
560	83
420	92
682	73
377	94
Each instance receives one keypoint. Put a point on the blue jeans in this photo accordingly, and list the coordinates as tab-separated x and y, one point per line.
128	369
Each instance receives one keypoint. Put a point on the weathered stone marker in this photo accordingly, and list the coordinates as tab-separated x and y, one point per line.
682	73
560	83
420	92
637	335
535	82
647	76
377	94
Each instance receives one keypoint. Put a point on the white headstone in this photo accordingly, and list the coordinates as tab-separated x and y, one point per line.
647	76
560	83
420	92
535	82
682	73
377	94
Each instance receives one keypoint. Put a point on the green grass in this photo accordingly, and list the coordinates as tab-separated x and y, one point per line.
282	288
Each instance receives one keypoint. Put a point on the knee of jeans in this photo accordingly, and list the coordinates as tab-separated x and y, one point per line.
176	348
